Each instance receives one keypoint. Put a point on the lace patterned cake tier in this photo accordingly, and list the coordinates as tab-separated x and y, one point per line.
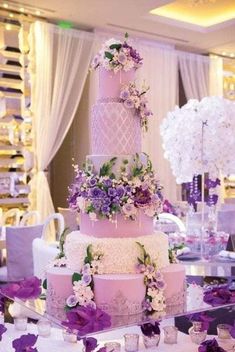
114	130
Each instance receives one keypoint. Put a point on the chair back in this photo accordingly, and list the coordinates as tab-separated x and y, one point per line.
30	218
60	224
14	212
19	250
169	223
70	218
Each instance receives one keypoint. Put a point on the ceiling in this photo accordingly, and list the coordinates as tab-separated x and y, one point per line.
134	17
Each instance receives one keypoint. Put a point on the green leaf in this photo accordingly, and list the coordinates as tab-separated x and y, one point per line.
125	161
76	277
126	35
140	261
106	168
44	284
89	253
115	46
108	55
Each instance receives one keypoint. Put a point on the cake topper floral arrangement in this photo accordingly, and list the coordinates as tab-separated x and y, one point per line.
103	195
115	55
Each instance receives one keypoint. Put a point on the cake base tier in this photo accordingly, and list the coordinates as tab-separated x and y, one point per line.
121	294
118	255
119	227
175	280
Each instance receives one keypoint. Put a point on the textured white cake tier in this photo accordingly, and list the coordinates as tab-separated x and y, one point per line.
99	160
114	130
119	254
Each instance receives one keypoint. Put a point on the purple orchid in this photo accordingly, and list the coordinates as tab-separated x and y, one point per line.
3	329
212	183
219	295
87	320
203	318
25	343
210	346
150	329
168	207
142	197
29	288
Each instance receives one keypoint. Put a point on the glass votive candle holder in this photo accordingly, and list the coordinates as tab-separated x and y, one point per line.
223	331
112	346
170	334
20	323
44	327
70	335
151	341
131	342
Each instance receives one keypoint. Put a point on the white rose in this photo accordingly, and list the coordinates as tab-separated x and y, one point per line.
93	216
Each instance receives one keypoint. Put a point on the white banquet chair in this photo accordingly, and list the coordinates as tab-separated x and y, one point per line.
19	261
167	222
30	218
44	252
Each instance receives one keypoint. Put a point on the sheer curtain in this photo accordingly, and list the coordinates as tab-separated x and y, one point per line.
160	72
59	61
216	76
194	70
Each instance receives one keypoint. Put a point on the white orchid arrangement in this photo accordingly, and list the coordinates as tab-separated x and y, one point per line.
199	138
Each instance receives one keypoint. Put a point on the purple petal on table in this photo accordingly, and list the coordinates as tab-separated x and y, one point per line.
25	343
150	329
29	288
90	343
87	319
3	329
210	346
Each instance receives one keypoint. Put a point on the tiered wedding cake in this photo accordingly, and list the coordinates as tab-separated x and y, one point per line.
117	255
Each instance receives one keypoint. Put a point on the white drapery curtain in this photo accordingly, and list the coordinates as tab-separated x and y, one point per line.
216	76
59	62
194	70
160	72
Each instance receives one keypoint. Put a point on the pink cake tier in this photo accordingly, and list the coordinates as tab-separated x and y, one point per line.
119	255
120	227
121	294
174	277
110	82
98	161
114	130
59	288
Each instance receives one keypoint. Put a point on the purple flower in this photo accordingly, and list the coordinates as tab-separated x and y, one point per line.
128	103
125	94
72	301
122	58
128	189
210	346
120	191
219	295
108	182
142	197
105	209
2	330
160	285
86	279
212	184
140	268
25	343
168	207
212	199
95	192
112	192
203	318
150	329
92	182
89	343
29	288
87	320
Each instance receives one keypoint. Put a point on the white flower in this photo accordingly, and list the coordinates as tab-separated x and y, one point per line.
129	209
152	292
83	293
81	203
93	216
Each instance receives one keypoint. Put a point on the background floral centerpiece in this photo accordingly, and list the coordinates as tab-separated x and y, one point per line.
116	55
103	195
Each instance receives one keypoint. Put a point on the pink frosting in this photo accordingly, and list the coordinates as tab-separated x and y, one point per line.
59	288
122	227
174	277
114	130
121	294
110	82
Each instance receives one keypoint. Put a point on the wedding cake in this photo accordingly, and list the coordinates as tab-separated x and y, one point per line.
118	259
